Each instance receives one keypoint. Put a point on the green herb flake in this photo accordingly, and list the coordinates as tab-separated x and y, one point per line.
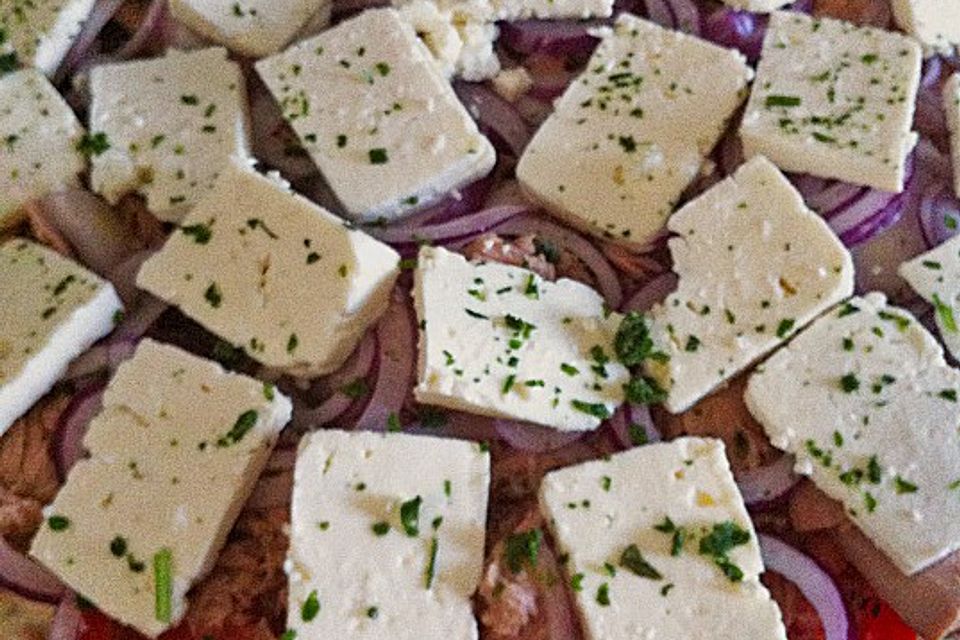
633	560
163	585
410	516
522	549
310	607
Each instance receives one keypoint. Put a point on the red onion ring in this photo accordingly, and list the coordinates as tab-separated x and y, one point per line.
461	426
550	76
102	12
557	603
686	16
68	620
470	225
734	29
812	581
328	411
123	276
555	37
497	118
533	438
768	483
358	366
72	428
106	356
148	33
396	342
659	11
652	293
26	577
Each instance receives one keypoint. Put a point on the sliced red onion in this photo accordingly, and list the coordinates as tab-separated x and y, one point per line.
26	577
550	76
729	153
469	225
73	427
686	16
652	292
123	276
533	438
328	411
632	417
939	215
497	118
274	141
554	37
358	366
151	30
460	425
557	602
659	11
834	197
102	12
342	8
768	483
734	29
396	342
68	620
272	491
282	459
106	356
137	323
812	581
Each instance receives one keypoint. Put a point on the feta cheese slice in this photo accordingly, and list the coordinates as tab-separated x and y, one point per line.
834	100
274	274
39	33
951	105
174	454
500	341
641	529
935	275
254	28
171	123
757	6
631	132
51	311
387	536
38	142
935	23
377	116
512	10
866	402
755	265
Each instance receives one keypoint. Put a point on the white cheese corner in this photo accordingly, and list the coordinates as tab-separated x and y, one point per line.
935	23
935	275
40	33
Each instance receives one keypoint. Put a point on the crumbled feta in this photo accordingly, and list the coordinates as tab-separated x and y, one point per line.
174	454
755	266
170	126
935	275
631	133
387	537
834	100
866	402
660	545
52	310
39	33
377	116
39	135
935	23
511	84
274	274
500	341
951	105
253	28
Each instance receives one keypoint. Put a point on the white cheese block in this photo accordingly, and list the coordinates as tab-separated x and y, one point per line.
631	132
500	341
38	142
951	105
51	311
372	572
935	275
755	265
172	125
377	116
866	402
174	454
254	28
274	274
38	33
511	10
626	514
834	100
757	6
935	23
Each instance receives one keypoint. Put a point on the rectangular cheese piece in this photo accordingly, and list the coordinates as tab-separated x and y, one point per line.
866	402
834	100
38	142
935	23
38	33
170	126
377	116
755	265
254	28
951	105
387	537
631	132
51	311
500	341
175	452
635	527
274	274
757	6
935	275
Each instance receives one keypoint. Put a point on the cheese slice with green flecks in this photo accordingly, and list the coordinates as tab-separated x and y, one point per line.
935	275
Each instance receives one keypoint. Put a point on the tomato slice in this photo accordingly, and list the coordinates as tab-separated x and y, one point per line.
880	622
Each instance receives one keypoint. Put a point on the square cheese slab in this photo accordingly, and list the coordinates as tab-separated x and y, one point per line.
867	404
834	100
38	142
951	105
387	537
632	131
38	33
755	265
174	454
171	125
935	275
500	341
757	6
633	526
274	274
51	311
377	116
252	28
935	23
